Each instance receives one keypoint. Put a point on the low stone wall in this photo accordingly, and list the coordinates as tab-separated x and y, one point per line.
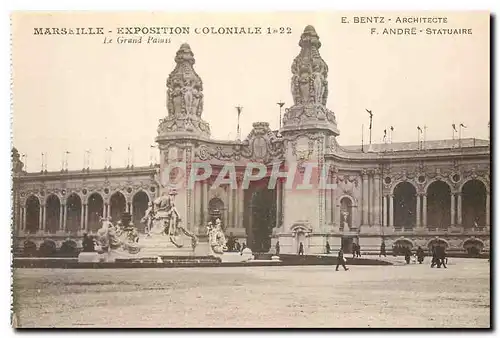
193	261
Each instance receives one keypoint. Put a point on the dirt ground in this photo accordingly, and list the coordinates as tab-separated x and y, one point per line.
306	296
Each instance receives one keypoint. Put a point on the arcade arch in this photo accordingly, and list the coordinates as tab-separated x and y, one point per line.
53	217
405	205
32	214
73	213
118	205
95	210
438	205
473	204
140	203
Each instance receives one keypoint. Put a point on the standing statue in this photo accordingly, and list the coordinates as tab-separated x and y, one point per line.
318	83
304	83
197	96
188	96
148	218
345	222
176	101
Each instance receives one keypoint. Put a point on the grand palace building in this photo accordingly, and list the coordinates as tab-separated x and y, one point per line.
409	194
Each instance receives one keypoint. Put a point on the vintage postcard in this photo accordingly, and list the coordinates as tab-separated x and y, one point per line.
251	170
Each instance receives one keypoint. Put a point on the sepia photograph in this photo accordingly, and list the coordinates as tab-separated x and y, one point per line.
251	170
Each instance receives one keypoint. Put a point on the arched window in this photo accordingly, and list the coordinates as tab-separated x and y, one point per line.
405	205
32	214
118	205
95	211
473	204
74	213
438	205
139	206
53	210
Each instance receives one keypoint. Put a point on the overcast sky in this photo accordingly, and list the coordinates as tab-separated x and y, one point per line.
74	93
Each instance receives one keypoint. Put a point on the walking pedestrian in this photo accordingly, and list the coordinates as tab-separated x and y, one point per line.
382	250
341	260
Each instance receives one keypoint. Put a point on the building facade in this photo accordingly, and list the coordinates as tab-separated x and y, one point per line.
405	194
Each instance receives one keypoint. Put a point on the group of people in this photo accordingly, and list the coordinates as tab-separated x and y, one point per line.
438	257
233	245
356	250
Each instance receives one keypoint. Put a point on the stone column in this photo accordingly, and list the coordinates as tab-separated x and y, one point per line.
487	209
192	208
459	208
391	210
65	217
377	198
424	210
452	220
45	217
61	215
230	207
365	198
279	186
205	202
385	221
241	203
23	218
86	219
198	204
40	218
418	210
108	211
82	218
334	204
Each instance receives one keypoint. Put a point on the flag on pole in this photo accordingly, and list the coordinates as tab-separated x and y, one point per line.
454	127
385	134
462	125
392	128
419	129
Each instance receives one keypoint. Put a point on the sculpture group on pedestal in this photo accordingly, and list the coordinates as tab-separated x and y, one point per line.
216	238
309	85
117	239
184	97
162	218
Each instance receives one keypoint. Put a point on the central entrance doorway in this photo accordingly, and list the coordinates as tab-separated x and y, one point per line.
347	243
260	215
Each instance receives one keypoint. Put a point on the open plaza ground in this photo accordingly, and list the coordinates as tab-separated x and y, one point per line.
248	297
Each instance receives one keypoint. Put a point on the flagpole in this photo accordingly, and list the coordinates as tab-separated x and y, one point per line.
238	136
362	132
425	137
370	148
281	104
460	136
